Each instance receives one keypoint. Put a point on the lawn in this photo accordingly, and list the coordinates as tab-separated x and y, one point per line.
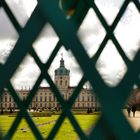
45	124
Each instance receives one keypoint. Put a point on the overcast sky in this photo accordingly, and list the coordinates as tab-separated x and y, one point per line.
92	33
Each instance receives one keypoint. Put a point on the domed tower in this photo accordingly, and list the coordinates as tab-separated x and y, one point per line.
62	77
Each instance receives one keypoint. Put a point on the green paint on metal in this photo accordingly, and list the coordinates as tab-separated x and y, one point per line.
49	11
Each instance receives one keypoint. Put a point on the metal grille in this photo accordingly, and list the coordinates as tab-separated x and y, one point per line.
110	125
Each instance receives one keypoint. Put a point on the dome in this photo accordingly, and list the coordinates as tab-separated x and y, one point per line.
62	70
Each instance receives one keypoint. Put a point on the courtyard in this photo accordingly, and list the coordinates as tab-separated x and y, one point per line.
45	125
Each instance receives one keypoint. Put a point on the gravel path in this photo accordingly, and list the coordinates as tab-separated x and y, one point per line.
134	121
41	124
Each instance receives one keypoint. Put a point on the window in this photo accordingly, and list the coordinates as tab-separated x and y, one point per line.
60	82
45	105
88	98
78	105
92	98
49	98
83	98
40	98
36	99
66	83
53	98
45	98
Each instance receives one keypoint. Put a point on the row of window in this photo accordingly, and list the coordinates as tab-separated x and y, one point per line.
7	105
83	98
5	99
61	82
25	94
45	99
41	105
50	98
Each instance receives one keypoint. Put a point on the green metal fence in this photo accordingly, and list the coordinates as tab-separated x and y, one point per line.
112	126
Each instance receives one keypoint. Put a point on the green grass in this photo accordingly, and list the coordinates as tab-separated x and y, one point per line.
45	124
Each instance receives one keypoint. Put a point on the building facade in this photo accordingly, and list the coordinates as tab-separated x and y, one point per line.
45	99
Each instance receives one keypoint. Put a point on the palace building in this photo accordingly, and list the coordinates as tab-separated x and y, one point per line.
45	99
